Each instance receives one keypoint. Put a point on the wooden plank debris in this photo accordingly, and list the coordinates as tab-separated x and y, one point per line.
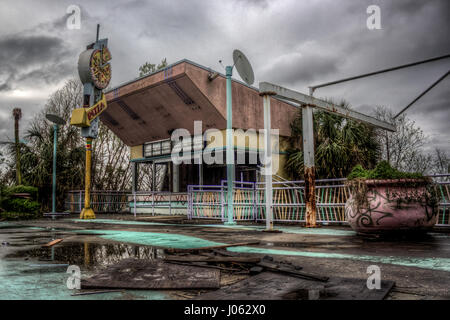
275	286
52	243
152	274
213	259
193	250
94	292
274	267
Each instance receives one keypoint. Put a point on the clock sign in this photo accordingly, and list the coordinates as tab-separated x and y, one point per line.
94	67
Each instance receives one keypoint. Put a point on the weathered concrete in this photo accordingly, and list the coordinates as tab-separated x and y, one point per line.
420	267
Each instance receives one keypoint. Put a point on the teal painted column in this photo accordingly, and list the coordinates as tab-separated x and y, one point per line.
55	141
230	149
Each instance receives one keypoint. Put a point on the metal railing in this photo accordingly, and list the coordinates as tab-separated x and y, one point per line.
288	201
101	201
210	202
158	202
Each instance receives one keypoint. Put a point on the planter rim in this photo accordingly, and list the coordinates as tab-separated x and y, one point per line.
395	181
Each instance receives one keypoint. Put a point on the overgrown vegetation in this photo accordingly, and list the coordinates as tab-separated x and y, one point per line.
419	189
19	202
382	171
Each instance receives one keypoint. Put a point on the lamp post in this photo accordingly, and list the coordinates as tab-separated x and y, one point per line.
57	121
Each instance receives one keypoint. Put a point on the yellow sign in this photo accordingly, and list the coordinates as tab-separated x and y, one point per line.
82	117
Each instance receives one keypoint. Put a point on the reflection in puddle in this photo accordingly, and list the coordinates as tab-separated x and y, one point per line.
90	255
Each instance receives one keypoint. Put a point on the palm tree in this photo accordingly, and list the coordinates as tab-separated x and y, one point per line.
17	114
340	144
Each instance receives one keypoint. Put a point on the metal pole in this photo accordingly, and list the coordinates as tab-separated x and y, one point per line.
87	212
268	162
55	141
230	149
309	168
312	88
422	94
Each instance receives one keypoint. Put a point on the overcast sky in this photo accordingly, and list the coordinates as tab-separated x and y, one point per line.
289	42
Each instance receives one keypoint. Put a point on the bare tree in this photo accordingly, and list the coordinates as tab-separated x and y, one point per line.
403	149
441	161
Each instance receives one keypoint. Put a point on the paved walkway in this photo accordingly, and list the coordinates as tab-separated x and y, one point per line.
420	267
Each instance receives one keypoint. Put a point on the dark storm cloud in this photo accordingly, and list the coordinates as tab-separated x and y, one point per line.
293	43
25	57
306	67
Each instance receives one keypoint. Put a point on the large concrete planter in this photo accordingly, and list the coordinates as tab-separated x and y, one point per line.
385	206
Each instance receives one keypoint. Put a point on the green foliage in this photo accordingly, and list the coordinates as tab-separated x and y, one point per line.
382	171
33	191
339	143
16	215
21	205
14	207
148	68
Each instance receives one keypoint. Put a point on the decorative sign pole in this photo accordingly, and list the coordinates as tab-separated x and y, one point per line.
95	73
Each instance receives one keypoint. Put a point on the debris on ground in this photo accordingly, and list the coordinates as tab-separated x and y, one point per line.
224	246
94	292
283	287
52	243
219	274
152	274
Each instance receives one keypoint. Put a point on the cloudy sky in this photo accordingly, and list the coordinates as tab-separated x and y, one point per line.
289	42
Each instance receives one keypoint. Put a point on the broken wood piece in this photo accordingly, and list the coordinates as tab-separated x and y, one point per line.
226	253
197	264
214	259
173	250
94	292
52	243
152	274
270	266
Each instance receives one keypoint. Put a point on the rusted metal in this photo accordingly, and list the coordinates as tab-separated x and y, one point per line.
310	197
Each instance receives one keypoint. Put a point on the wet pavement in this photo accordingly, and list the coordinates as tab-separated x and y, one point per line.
420	266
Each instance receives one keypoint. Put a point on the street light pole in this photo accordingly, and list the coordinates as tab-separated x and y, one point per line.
56	120
55	141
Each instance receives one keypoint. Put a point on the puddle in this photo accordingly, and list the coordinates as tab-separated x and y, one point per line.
88	255
41	273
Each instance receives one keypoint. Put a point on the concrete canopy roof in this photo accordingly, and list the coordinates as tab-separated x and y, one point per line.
151	107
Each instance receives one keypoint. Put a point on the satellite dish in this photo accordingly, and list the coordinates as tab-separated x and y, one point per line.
243	67
55	119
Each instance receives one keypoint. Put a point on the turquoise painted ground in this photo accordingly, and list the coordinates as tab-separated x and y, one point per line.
170	240
21	280
295	230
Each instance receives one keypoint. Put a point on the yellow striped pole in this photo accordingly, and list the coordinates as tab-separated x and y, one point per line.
87	212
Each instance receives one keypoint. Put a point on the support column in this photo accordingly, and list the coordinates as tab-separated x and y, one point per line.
154	176
268	162
230	149
308	159
134	176
200	174
176	177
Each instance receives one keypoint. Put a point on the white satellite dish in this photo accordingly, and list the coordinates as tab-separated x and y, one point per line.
243	67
